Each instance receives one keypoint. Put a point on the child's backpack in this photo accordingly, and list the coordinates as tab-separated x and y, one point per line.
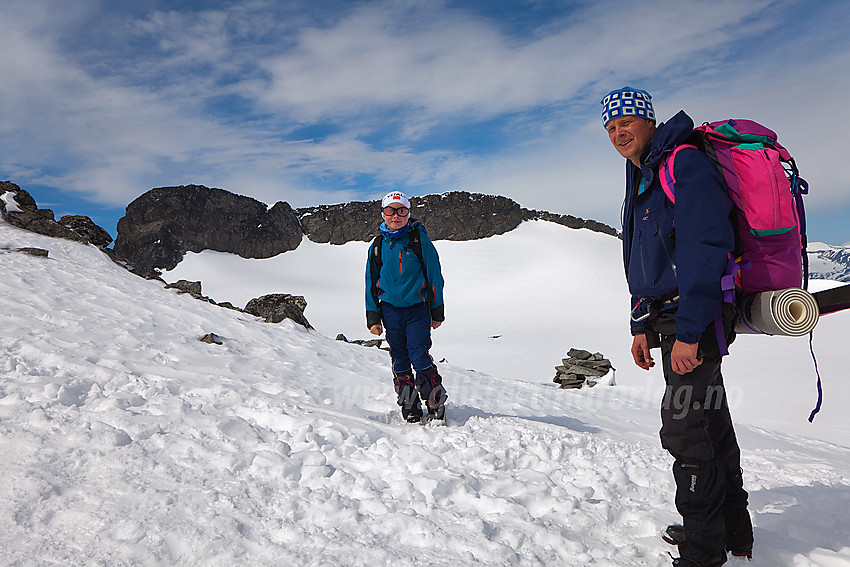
765	187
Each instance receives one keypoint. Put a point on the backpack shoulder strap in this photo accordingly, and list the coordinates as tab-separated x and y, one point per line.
416	246
665	171
375	252
375	262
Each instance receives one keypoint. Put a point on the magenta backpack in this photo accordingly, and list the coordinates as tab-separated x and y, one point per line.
770	224
766	189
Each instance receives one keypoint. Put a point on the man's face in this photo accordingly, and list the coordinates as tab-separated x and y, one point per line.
394	219
630	135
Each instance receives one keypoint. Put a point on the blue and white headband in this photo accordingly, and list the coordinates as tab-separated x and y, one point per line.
627	102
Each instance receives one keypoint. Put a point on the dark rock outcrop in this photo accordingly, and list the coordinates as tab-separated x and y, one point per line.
163	224
185	286
457	215
24	213
466	216
338	224
276	307
572	222
85	227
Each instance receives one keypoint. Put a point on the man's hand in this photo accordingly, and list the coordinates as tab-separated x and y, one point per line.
640	352
376	329
684	357
435	324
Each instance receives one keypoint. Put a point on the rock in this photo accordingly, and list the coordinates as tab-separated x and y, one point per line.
571	381
184	286
338	224
367	343
456	215
39	252
572	222
578	353
163	224
21	210
211	338
276	307
581	367
160	226
460	215
85	228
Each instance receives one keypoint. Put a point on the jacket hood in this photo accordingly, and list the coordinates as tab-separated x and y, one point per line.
667	136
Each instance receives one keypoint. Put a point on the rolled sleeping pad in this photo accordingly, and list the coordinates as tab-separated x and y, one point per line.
791	312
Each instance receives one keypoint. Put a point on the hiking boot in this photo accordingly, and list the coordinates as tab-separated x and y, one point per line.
695	556
408	398
718	559
437	412
412	413
739	533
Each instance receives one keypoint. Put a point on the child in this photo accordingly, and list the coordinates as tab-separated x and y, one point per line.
404	291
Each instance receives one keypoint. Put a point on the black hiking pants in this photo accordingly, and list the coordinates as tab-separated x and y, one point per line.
696	428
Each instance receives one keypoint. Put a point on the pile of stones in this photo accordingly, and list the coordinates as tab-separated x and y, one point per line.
581	367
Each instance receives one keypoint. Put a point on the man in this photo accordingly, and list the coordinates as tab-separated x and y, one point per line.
674	257
404	291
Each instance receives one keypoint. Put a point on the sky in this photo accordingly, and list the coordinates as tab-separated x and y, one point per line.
320	102
124	440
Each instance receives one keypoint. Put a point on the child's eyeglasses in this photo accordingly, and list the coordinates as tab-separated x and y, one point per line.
400	211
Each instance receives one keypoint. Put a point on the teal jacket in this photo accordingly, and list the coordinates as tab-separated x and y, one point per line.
401	282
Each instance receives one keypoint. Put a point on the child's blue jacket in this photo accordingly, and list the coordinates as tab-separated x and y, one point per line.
402	282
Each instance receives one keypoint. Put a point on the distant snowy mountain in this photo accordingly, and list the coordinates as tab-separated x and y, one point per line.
124	440
827	262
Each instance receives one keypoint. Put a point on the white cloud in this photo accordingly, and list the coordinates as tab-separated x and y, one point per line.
224	97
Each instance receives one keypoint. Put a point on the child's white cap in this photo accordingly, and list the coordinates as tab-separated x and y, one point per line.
395	197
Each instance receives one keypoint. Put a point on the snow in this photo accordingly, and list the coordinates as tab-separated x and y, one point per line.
126	441
8	199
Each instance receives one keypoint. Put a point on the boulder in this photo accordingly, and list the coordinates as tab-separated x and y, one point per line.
87	229
211	339
160	226
184	286
276	307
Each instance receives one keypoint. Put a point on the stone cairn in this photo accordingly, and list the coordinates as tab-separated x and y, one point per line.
581	367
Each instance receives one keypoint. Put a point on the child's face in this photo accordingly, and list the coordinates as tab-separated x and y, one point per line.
395	220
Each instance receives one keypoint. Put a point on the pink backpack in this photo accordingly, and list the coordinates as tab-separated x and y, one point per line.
766	189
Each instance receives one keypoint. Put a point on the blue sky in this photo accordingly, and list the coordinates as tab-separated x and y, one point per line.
319	102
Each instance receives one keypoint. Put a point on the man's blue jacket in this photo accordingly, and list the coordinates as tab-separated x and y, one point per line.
687	251
402	280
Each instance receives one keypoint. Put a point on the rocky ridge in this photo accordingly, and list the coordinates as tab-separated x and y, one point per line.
20	209
165	223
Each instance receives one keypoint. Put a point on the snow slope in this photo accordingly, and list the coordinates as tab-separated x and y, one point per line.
126	441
